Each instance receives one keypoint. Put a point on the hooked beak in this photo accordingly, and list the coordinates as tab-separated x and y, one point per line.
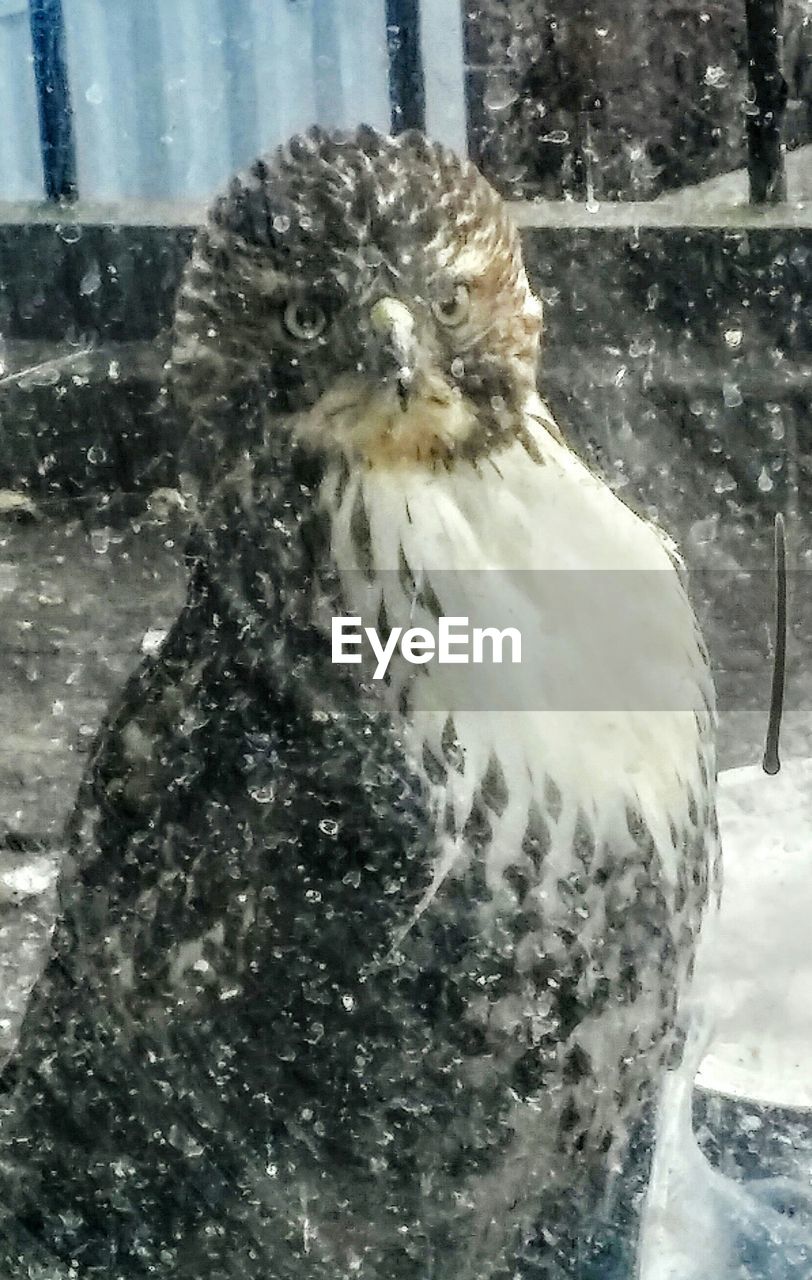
393	323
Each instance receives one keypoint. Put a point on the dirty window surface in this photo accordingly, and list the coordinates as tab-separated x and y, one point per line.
397	539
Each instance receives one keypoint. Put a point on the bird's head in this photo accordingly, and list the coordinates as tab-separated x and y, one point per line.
366	292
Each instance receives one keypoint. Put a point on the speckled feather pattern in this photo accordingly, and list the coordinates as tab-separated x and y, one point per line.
587	866
345	983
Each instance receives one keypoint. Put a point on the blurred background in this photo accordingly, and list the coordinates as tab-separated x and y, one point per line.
657	156
628	98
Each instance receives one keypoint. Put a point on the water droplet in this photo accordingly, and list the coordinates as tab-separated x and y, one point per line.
184	1142
328	827
641	347
705	532
457	367
499	94
765	482
100	541
731	395
263	794
733	338
715	77
348	1003
91	280
557	136
94	94
313	895
281	223
153	639
70	232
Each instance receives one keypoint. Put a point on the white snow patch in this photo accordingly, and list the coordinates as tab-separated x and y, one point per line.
752	1039
756	976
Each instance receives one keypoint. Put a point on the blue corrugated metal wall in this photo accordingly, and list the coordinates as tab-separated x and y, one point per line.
442	49
20	163
169	96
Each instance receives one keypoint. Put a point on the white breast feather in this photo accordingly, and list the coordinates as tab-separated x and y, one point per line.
589	653
604	752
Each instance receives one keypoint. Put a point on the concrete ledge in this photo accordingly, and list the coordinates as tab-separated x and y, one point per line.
659	213
97	213
667	211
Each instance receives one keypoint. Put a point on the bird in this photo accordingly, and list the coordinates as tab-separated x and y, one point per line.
358	976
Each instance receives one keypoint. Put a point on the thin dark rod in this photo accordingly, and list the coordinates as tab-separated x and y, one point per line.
771	763
53	99
407	91
765	152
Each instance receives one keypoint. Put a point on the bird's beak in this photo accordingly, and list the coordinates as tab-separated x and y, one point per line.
393	323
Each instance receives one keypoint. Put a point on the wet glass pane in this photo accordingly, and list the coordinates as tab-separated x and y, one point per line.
405	778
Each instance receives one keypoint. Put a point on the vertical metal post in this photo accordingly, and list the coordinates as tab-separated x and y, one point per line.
407	90
765	160
53	99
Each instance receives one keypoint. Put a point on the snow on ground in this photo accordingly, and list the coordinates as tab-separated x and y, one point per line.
731	189
752	1044
758	975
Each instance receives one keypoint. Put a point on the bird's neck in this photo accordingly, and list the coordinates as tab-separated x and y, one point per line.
612	695
532	505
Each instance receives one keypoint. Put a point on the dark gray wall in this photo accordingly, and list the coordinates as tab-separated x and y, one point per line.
675	356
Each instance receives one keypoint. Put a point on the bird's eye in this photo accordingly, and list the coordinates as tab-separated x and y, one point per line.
454	309
304	320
